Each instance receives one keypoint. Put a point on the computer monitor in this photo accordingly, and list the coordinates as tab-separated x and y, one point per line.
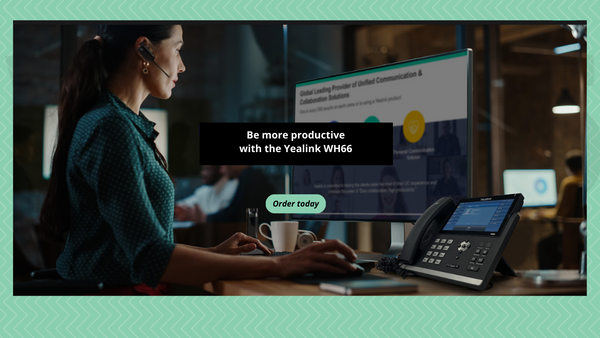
428	101
538	186
158	116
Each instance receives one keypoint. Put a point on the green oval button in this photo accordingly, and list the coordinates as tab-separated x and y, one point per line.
295	204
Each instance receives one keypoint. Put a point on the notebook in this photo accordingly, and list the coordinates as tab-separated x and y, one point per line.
368	287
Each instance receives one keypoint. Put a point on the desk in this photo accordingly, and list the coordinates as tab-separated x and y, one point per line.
502	286
207	235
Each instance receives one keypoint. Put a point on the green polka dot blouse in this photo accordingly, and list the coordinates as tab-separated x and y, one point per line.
121	200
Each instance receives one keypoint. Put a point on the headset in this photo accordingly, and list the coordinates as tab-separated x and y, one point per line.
148	56
306	238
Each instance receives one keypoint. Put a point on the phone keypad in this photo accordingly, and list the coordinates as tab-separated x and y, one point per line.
479	256
437	251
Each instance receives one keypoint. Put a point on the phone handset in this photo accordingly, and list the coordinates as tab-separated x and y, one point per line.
430	222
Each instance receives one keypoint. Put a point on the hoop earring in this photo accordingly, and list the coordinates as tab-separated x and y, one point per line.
146	64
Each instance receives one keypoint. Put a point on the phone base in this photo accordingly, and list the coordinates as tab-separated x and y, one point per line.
505	269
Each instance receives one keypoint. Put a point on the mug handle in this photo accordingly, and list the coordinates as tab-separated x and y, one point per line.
262	233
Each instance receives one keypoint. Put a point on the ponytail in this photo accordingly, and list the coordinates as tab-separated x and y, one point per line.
82	87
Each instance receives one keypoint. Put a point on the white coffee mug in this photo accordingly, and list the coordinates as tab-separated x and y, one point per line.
284	234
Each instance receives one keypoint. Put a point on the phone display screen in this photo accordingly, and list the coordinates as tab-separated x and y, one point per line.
480	216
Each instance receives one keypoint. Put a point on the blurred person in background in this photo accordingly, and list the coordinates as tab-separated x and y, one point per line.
215	194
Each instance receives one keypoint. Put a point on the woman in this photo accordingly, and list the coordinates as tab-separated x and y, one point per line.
337	179
110	189
447	185
307	181
390	202
337	199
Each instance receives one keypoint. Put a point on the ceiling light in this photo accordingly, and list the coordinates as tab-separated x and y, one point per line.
567	48
566	104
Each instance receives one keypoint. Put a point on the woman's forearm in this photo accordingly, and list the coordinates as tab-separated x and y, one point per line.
197	247
197	266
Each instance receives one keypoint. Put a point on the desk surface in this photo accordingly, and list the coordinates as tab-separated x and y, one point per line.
502	286
210	235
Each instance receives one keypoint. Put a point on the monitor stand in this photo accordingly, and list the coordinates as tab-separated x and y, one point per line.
396	244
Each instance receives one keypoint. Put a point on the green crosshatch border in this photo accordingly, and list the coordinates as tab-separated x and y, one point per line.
552	316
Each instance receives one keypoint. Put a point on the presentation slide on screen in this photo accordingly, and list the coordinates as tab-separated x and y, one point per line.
426	101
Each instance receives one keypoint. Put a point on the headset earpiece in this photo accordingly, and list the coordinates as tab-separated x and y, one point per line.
149	56
146	53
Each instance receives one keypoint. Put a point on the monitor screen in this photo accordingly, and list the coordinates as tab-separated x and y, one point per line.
538	186
428	102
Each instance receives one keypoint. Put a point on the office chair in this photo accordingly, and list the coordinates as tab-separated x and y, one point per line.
564	246
49	283
571	236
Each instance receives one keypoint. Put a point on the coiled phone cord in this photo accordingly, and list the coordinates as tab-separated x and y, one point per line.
392	264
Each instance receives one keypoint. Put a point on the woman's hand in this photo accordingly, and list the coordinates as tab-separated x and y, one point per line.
239	243
313	258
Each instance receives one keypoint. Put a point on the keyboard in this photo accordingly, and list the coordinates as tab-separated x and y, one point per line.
258	252
280	253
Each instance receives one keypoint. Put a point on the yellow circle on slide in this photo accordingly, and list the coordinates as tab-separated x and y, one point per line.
414	126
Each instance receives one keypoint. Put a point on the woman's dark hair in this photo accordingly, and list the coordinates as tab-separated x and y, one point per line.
83	85
400	205
574	160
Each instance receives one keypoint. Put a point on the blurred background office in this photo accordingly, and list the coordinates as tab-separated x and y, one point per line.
246	73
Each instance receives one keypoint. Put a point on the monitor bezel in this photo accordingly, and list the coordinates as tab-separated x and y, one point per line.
409	219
